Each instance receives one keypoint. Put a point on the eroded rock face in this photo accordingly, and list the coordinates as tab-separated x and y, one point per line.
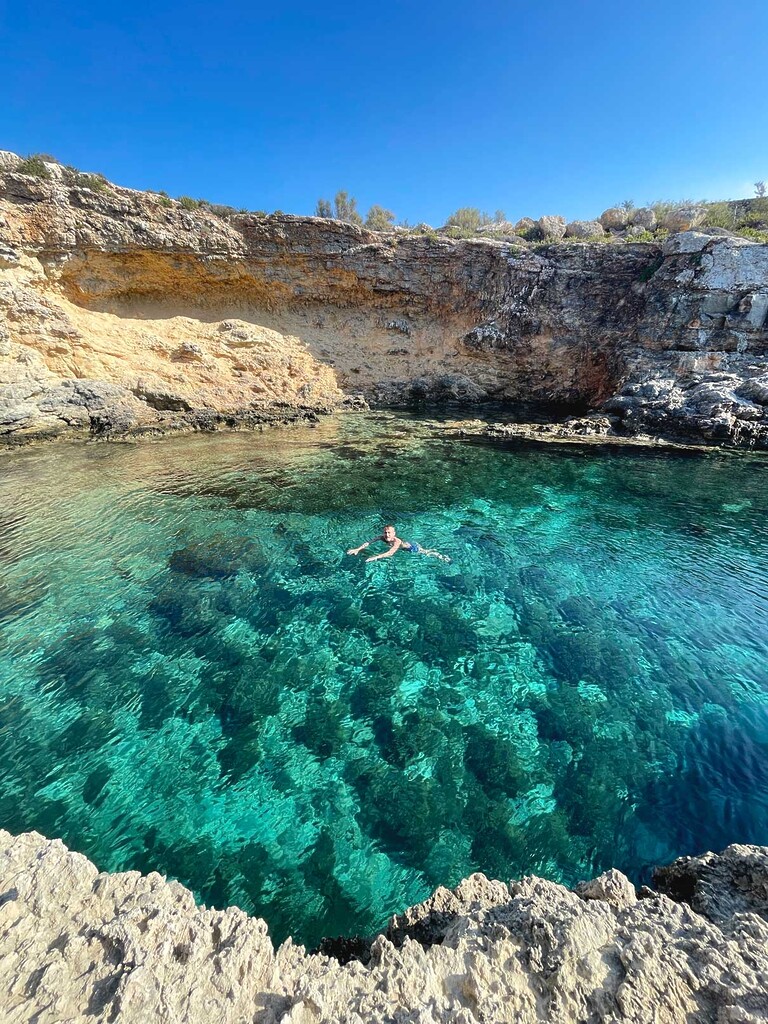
78	946
704	376
122	312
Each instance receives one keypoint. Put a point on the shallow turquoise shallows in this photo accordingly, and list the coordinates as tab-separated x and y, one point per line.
195	679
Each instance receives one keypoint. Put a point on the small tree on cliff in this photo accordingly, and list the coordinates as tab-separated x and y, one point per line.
760	189
468	218
346	208
379	219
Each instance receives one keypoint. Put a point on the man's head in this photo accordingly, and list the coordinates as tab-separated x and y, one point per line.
389	534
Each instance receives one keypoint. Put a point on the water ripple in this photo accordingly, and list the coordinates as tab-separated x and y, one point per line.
195	679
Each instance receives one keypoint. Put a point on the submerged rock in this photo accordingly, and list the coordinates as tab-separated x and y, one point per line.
77	945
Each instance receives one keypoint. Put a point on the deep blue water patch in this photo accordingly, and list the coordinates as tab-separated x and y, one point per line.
195	679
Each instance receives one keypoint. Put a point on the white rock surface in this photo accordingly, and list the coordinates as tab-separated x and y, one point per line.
684	218
736	265
8	161
685	241
81	947
551	227
614	218
523	225
584	229
643	217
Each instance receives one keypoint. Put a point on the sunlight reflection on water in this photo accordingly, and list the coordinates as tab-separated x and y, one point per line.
195	679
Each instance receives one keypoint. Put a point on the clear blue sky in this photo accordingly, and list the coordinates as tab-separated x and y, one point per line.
542	106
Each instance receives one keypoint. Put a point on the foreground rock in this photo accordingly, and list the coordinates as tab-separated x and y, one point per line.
79	946
124	312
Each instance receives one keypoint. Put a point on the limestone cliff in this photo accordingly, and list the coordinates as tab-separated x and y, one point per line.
79	946
122	311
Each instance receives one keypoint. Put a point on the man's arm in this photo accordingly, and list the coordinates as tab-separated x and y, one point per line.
385	554
356	551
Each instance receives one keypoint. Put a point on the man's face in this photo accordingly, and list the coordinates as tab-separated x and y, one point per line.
389	533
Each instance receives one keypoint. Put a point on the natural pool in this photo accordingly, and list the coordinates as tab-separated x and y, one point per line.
195	679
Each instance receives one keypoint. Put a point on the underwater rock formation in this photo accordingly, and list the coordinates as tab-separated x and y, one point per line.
125	311
80	946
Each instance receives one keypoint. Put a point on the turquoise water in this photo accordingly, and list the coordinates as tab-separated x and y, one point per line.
195	679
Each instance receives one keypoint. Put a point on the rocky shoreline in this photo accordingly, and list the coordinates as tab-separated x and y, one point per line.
593	430
123	313
77	946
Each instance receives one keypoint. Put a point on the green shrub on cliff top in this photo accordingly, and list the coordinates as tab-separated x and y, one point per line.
34	164
346	208
754	234
188	203
95	182
379	219
720	215
222	210
456	231
468	218
758	213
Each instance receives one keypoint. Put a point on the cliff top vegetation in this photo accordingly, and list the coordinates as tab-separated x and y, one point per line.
624	222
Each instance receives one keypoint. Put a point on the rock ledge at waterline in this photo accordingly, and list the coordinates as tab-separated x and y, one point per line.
125	313
84	947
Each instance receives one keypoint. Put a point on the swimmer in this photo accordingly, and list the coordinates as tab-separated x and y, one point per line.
396	544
